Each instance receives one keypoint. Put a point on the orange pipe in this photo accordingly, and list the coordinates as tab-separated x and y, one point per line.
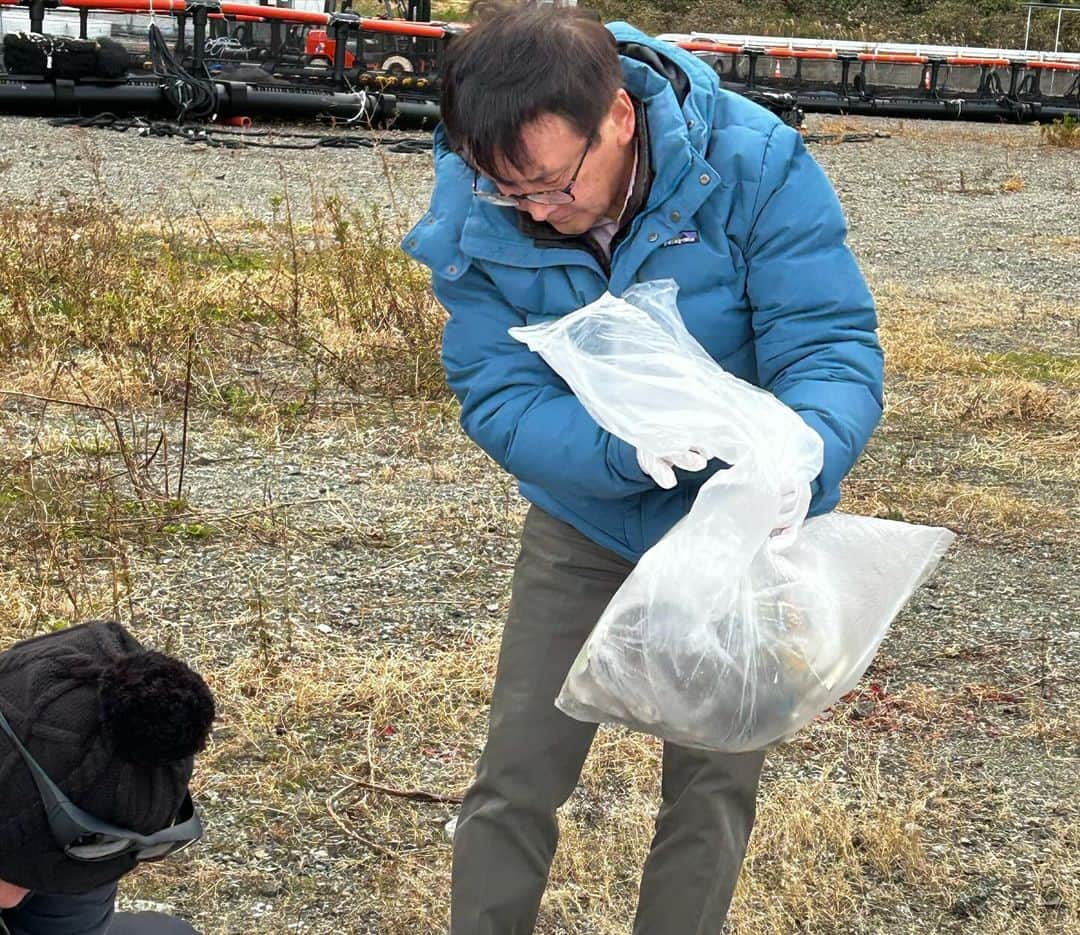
178	6
397	27
895	59
1053	66
710	47
401	27
995	62
785	52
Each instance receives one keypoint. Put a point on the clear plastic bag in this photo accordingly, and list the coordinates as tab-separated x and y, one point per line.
724	636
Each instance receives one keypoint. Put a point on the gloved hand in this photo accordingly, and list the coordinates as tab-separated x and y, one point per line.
794	502
662	469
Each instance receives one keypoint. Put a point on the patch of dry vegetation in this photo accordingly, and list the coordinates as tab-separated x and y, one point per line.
310	749
110	311
1006	416
1008	137
1065	132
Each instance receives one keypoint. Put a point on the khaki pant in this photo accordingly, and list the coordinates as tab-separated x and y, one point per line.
507	830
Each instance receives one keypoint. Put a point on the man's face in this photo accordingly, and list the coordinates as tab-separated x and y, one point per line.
11	895
554	149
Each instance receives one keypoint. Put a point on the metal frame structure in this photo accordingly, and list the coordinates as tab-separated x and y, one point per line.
872	50
1062	8
787	75
896	79
353	96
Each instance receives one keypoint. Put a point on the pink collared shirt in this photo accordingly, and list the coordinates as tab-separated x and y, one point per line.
604	231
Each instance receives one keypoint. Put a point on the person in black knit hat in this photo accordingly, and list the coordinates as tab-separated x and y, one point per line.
98	738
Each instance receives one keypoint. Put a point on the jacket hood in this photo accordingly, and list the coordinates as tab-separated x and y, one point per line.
676	86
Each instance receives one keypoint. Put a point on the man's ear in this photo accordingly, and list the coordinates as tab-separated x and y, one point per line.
622	117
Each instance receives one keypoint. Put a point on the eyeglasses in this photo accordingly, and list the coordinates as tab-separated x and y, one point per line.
556	196
84	837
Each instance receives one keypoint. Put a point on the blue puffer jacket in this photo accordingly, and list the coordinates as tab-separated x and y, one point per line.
742	217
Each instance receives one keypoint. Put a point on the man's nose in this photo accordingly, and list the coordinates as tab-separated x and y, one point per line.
536	211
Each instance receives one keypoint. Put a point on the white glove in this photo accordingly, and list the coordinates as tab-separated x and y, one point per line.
662	469
794	502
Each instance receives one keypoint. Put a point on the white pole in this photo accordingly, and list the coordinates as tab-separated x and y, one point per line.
834	45
1057	40
1027	31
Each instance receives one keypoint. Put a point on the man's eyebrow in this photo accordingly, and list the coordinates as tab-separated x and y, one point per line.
543	176
530	180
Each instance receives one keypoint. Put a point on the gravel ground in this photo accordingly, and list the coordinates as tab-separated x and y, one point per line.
413	547
919	205
928	202
146	174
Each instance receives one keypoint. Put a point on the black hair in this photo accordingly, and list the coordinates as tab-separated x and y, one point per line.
519	63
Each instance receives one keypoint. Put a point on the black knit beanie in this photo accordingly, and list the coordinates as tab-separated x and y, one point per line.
114	726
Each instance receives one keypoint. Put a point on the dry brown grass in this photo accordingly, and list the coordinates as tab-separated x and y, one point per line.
1064	132
838	842
1008	414
983	513
98	309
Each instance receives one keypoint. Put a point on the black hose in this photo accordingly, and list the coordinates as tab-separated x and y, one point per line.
232	138
845	137
193	96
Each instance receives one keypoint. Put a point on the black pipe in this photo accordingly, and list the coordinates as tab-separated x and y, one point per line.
417	112
180	49
200	11
198	38
341	39
37	16
341	25
146	97
49	97
238	98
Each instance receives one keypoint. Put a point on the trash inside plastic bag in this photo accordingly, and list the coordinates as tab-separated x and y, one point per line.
723	636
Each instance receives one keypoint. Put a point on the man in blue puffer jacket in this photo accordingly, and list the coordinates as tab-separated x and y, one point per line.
574	160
